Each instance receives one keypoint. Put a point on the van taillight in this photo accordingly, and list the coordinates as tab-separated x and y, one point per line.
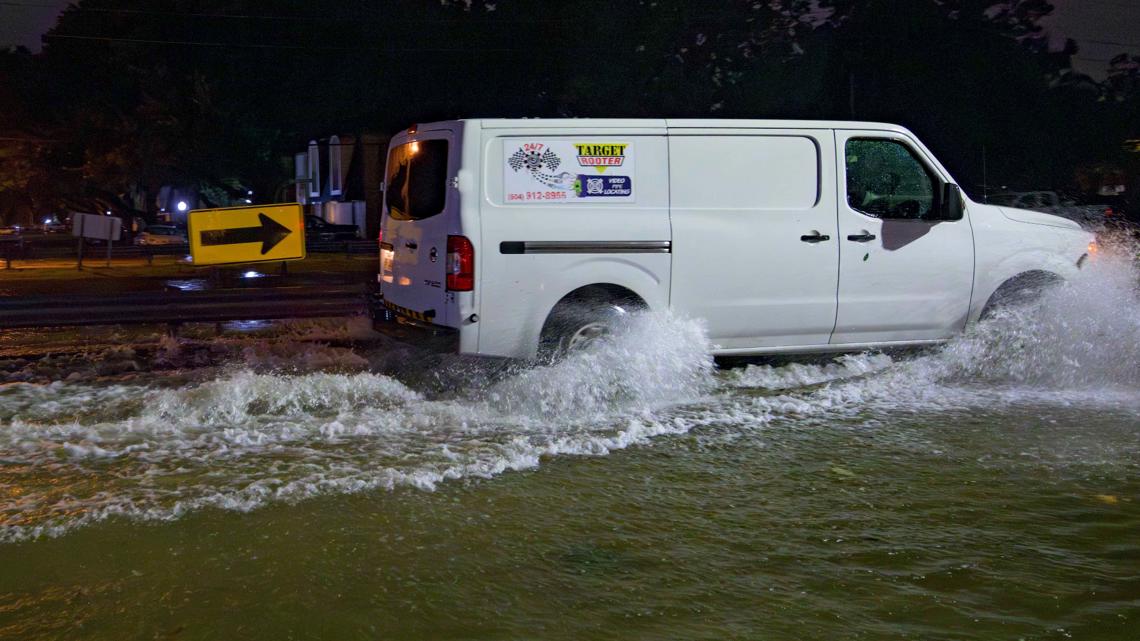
380	236
460	264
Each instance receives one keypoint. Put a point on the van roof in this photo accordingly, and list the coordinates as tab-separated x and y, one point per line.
645	124
682	123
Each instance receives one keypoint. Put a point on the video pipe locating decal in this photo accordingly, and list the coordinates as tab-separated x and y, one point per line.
568	170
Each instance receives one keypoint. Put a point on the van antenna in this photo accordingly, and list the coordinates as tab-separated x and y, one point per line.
985	186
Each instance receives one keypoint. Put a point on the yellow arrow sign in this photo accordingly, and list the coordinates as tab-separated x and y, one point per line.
247	234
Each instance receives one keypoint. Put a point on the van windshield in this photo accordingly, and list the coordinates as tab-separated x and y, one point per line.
417	179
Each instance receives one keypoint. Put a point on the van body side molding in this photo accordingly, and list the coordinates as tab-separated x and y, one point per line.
585	247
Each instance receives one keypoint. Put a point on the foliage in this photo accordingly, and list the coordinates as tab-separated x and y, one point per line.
129	96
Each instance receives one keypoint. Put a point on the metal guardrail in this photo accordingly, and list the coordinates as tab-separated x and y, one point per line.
17	248
348	247
175	308
11	246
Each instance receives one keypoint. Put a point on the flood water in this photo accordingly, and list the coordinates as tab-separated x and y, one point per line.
278	483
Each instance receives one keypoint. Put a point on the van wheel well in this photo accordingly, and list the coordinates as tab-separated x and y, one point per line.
1023	289
606	292
583	316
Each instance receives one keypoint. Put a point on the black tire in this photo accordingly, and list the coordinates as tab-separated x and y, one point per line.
581	322
1022	291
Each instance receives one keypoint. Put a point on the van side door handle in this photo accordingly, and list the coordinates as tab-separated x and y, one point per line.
861	238
814	237
411	245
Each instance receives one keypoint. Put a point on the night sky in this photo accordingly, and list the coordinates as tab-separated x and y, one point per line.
22	22
1102	28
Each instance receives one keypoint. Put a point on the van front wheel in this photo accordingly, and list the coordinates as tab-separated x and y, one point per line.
1025	289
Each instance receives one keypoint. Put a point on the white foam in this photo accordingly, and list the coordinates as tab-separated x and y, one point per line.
795	375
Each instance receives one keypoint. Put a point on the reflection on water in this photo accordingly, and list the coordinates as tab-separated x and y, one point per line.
189	284
248	326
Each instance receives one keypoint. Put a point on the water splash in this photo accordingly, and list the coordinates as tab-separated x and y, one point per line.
1078	344
794	375
1084	333
83	453
652	360
157	448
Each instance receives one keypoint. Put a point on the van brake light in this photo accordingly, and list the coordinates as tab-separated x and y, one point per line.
460	264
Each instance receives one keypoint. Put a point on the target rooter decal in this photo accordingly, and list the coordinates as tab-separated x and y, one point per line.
567	170
601	155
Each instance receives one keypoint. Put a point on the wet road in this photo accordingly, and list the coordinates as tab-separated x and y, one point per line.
307	482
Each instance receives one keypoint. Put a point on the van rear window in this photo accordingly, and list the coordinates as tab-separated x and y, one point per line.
417	179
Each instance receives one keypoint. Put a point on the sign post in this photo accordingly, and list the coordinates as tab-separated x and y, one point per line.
108	228
79	225
268	233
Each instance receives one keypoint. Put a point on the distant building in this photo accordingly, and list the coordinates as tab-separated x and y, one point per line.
338	179
175	202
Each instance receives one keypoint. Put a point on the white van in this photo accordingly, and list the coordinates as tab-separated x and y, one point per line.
509	237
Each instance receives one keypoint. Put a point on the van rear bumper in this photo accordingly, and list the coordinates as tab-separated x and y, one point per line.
436	338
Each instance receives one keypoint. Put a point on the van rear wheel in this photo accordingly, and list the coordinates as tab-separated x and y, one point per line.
585	336
582	323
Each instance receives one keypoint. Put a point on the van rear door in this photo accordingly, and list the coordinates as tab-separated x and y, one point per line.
420	210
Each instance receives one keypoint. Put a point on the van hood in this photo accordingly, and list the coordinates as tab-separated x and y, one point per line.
1038	218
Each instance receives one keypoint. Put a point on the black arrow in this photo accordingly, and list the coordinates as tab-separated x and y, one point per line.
269	233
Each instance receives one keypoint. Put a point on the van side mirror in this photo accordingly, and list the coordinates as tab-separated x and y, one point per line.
950	203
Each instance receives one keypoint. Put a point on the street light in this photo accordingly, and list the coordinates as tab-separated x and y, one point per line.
182	206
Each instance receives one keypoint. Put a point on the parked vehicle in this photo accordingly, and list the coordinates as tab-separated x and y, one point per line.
1092	216
1115	208
319	229
515	237
14	230
162	235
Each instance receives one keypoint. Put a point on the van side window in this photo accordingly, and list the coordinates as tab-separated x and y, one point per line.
416	184
768	173
885	180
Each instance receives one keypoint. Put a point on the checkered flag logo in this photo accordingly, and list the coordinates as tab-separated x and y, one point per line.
533	161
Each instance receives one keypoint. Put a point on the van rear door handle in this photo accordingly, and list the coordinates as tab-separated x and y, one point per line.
861	238
814	237
411	245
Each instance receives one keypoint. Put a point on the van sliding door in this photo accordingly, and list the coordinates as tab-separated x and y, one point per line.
755	250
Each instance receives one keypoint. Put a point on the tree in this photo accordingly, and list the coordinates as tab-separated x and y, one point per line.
214	93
